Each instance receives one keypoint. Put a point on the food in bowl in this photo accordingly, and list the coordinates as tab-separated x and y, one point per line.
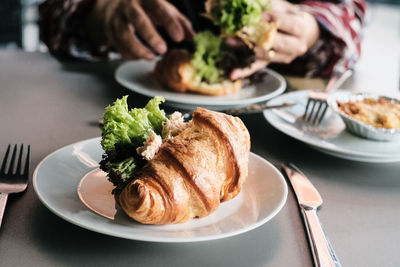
380	113
367	115
169	171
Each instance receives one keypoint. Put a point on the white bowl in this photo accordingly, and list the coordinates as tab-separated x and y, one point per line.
358	127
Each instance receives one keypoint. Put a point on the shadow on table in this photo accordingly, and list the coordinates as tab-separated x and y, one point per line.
104	72
66	244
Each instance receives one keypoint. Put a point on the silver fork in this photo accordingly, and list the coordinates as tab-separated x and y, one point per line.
15	179
316	104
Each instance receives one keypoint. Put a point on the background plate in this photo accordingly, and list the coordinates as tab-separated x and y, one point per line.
136	76
330	136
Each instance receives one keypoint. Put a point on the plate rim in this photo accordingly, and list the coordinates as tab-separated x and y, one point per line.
366	156
175	97
358	159
60	214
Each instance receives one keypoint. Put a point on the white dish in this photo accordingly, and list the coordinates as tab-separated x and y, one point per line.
57	177
136	76
330	136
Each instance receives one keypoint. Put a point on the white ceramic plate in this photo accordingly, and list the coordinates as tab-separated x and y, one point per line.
330	136
136	76
57	177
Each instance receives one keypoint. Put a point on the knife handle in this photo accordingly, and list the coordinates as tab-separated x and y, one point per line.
321	248
3	202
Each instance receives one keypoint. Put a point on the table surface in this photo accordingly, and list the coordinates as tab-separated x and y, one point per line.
50	104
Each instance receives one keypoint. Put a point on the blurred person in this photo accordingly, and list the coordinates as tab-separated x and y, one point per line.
313	35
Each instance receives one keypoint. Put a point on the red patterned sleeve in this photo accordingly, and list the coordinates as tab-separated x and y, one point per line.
341	24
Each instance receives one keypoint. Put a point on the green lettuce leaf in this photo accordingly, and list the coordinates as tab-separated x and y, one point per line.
156	115
207	55
123	131
120	173
122	126
233	15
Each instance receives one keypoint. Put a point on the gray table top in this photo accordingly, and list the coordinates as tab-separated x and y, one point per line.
51	104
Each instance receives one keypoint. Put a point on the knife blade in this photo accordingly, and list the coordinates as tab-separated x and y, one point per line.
309	201
255	108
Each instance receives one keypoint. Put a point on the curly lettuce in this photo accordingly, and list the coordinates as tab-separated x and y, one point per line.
123	132
120	173
206	57
123	126
233	15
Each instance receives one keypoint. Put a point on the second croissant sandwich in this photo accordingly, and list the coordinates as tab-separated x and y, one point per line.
206	70
198	165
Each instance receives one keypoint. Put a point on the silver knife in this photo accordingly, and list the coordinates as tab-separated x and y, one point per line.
309	201
255	108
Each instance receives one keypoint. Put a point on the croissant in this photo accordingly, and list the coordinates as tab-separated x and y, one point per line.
177	73
192	173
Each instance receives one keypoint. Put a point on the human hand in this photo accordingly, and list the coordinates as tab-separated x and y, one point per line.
129	26
297	32
260	63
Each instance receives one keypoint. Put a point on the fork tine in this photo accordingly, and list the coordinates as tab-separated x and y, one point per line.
5	159
27	162
316	115
313	112
305	112
323	113
313	102
14	154
19	164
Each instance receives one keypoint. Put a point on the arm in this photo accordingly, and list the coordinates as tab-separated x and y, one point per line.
313	37
62	29
341	27
89	29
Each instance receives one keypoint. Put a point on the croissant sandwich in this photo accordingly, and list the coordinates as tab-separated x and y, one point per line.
168	171
243	18
206	69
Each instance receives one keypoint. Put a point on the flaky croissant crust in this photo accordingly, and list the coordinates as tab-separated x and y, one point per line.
176	72
192	173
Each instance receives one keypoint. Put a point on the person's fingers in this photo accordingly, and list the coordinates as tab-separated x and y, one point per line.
99	19
280	57
267	16
187	27
289	23
245	72
283	6
288	44
169	18
146	29
126	43
261	53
